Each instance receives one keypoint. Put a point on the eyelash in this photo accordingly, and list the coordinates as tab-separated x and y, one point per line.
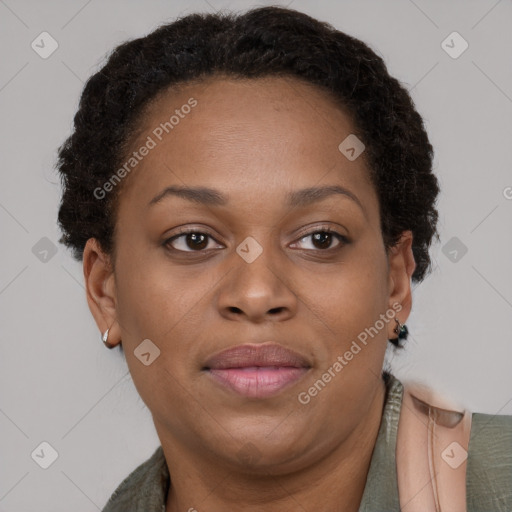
341	238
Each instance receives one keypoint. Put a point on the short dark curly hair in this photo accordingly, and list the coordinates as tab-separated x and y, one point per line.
266	41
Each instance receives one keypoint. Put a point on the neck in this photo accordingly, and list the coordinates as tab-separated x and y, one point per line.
201	484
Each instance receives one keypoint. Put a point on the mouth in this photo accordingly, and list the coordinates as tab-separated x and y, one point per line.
257	370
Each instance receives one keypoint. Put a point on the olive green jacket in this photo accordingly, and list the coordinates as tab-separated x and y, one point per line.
488	476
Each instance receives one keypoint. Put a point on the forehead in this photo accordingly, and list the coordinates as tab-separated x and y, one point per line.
249	137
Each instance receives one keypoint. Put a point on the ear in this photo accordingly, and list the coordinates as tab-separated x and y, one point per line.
101	290
401	266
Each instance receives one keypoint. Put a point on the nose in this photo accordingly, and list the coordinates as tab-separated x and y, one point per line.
257	291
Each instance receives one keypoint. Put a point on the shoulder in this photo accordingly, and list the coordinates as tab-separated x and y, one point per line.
489	463
489	447
144	489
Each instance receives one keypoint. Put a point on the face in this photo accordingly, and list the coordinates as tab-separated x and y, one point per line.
285	249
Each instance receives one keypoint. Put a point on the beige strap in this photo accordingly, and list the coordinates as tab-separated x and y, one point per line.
431	452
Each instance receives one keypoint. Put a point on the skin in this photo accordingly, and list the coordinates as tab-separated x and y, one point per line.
255	141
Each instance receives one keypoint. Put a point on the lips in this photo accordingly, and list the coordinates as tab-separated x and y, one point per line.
257	371
265	354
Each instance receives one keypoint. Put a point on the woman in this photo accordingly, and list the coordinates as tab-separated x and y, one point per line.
251	197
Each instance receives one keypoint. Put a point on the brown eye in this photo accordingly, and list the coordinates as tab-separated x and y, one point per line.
189	241
196	240
322	240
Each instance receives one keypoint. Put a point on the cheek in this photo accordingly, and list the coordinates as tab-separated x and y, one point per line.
156	300
346	314
350	298
163	307
171	307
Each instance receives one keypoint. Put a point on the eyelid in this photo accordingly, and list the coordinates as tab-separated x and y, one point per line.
305	232
185	231
343	240
322	227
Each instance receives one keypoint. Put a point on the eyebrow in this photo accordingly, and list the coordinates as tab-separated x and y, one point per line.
211	197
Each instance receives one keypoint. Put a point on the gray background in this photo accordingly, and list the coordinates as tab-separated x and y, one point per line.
60	385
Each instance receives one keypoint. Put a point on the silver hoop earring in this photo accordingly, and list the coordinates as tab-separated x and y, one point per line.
105	339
